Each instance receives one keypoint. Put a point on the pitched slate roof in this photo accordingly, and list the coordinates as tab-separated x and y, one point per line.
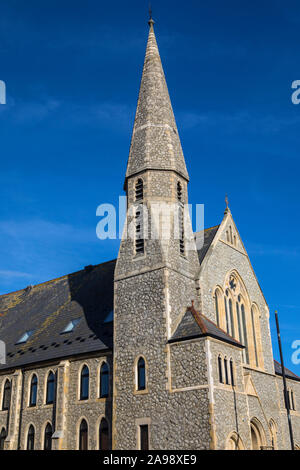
288	373
206	237
195	325
47	309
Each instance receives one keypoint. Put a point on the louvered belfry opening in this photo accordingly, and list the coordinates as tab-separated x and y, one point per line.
180	219
179	191
139	190
139	231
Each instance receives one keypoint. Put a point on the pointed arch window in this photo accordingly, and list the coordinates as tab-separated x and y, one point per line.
33	391
141	374
293	401
6	395
50	389
103	435
2	438
217	303
84	383
226	314
48	437
139	190
104	380
232	373
245	337
220	369
254	336
83	435
30	438
226	371
232	332
238	314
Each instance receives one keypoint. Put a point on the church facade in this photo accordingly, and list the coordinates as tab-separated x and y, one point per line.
166	347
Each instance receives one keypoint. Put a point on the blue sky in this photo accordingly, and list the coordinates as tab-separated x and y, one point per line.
72	71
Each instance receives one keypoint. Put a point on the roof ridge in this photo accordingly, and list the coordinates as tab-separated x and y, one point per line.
197	317
56	279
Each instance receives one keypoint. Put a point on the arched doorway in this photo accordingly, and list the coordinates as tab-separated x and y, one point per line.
234	442
258	439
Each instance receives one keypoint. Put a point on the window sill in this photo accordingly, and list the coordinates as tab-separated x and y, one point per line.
103	399
138	256
227	386
141	392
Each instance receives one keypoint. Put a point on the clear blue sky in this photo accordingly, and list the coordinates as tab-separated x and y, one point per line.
72	71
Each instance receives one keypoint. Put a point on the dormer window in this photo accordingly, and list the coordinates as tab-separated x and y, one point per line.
25	337
71	326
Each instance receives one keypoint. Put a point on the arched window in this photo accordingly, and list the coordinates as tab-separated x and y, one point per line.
84	383
293	401
217	306
6	395
139	189
103	435
104	380
50	389
33	391
232	373
254	336
83	435
141	374
139	231
220	369
226	315
238	314
30	438
245	337
231	238
232	332
2	438
48	437
226	371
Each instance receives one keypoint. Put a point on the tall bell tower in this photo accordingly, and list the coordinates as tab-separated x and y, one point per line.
157	261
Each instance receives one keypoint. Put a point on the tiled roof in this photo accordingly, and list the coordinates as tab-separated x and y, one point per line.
288	373
196	325
48	308
206	236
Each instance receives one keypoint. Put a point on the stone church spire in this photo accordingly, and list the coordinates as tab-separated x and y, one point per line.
155	142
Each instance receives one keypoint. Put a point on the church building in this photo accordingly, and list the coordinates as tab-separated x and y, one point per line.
166	347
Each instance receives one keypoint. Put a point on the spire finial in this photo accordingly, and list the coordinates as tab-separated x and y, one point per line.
151	21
